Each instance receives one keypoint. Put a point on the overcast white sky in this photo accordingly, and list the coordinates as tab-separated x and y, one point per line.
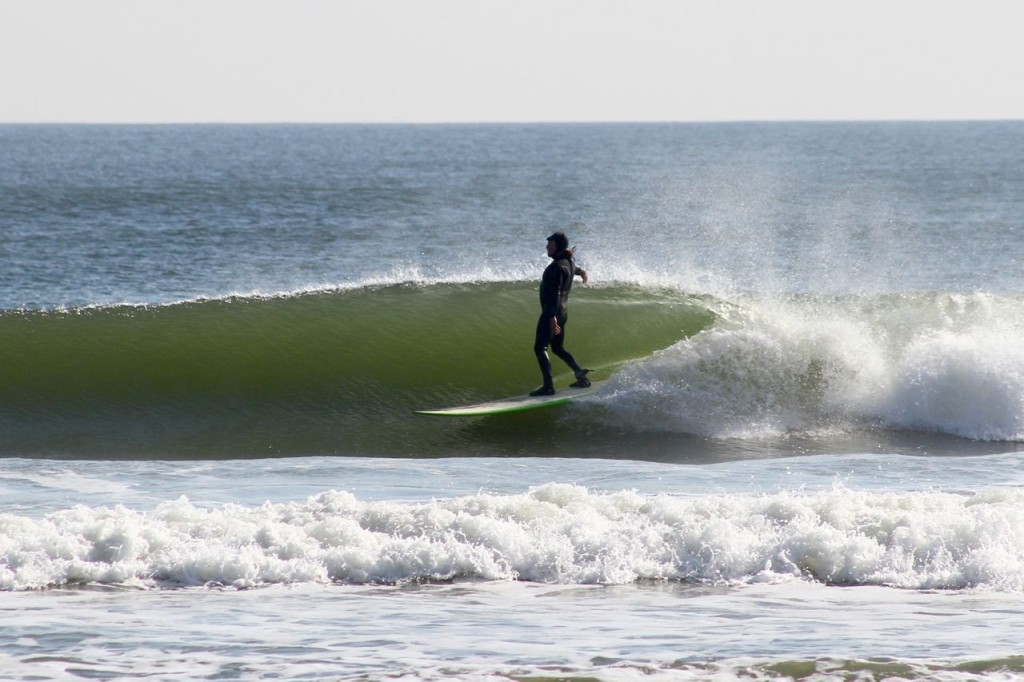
509	60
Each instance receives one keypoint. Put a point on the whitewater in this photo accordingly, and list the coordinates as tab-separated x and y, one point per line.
804	463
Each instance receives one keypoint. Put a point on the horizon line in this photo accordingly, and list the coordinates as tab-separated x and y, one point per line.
510	122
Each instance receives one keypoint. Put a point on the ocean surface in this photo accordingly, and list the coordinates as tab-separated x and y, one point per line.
807	461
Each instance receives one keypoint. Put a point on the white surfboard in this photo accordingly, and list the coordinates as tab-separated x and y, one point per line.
516	404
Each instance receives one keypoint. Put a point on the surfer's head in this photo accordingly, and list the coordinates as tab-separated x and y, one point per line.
559	242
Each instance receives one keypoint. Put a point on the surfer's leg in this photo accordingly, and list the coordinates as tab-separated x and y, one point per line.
540	346
558	348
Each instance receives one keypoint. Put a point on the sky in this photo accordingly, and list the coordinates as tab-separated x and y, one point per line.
164	61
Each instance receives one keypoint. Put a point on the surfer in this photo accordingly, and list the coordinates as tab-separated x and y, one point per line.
555	285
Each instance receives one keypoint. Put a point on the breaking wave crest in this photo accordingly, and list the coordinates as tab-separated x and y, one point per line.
341	372
556	533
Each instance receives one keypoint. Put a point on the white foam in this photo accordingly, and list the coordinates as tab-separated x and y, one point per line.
69	480
556	533
753	377
969	384
936	362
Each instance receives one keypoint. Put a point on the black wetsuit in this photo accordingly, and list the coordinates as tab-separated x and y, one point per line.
555	285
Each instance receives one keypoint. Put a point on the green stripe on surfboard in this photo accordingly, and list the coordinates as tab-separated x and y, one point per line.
516	404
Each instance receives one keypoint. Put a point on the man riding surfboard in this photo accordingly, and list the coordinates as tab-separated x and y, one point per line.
555	285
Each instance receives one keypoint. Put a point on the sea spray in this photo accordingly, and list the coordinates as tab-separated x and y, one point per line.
970	384
812	366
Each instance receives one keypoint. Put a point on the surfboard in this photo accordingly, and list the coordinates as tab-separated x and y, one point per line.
515	404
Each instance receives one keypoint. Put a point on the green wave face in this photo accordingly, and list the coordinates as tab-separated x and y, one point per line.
328	373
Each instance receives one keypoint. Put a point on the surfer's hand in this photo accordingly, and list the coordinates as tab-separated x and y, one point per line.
555	328
583	274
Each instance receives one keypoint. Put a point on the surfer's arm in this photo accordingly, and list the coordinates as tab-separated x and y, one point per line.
580	272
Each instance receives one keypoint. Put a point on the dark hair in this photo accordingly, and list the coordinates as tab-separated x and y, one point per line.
560	240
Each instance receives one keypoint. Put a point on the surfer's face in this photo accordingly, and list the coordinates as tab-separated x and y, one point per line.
551	248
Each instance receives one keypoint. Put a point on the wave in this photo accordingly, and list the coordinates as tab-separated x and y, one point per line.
341	372
331	372
557	533
929	362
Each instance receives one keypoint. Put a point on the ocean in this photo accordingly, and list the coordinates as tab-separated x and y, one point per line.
806	462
